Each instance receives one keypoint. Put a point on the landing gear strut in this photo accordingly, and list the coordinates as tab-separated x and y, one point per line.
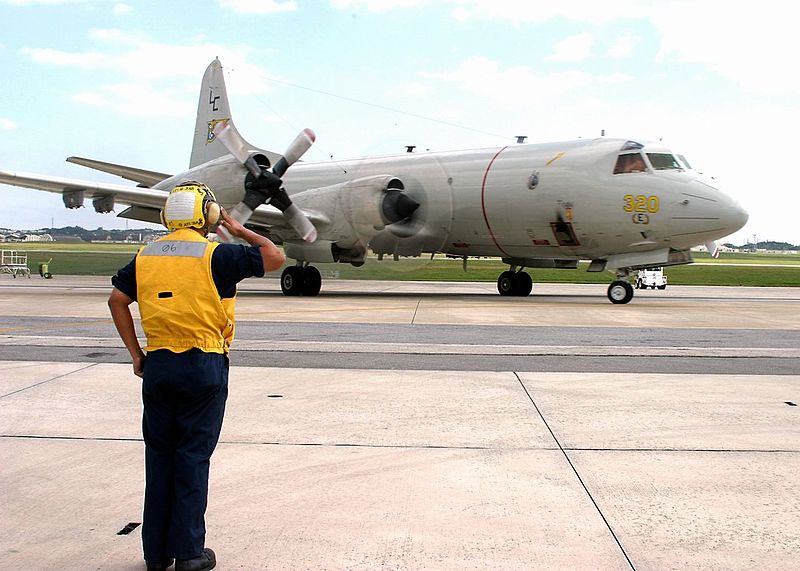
515	283
301	280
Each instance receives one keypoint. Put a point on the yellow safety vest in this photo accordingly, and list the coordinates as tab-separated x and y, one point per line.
178	301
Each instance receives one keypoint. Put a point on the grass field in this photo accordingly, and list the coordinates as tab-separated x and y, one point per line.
750	269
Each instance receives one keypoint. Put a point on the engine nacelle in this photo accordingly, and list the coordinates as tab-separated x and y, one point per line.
73	198
320	252
323	252
358	209
225	176
103	204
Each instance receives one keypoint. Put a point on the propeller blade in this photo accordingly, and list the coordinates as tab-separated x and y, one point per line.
242	212
713	249
297	149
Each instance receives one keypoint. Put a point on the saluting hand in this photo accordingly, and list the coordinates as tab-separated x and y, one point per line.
233	226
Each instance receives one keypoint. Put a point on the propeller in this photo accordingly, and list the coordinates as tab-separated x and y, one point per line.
713	248
255	194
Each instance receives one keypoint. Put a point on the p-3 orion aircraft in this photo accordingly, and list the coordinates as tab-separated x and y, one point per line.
622	205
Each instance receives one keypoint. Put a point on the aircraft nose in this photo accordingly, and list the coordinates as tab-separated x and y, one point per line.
731	215
707	213
735	218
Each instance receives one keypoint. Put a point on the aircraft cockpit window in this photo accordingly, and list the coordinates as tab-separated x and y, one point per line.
631	146
664	161
628	163
685	162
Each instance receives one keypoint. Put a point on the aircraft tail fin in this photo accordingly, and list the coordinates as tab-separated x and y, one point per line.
212	108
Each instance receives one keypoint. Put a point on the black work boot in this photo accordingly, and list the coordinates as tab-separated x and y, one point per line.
206	561
159	566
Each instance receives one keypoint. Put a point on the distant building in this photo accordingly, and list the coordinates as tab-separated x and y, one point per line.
67	239
38	238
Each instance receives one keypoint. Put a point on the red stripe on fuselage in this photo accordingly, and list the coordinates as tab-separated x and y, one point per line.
483	203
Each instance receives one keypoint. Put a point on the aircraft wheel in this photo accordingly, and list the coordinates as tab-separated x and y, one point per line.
524	284
292	281
620	292
312	281
506	283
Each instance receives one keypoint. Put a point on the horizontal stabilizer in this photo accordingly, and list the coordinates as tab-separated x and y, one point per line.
144	177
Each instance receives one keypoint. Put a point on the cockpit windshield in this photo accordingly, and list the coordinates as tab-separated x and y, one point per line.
630	162
664	161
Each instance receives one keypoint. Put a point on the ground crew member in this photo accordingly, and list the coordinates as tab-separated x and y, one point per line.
185	287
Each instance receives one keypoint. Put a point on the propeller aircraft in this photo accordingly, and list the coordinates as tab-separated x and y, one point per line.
623	205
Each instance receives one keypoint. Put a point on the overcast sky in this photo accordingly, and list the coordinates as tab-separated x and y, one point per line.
119	82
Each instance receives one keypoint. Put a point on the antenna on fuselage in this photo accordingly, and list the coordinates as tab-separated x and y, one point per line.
521	139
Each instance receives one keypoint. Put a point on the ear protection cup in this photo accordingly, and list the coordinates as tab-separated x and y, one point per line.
163	220
212	212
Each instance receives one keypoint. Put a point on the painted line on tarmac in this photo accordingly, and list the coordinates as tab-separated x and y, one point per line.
432	348
56	325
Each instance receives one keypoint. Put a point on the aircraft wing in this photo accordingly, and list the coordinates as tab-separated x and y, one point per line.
143	177
135	196
145	203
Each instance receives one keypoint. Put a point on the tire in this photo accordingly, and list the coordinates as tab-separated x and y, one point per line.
662	286
312	281
292	281
524	284
506	283
620	292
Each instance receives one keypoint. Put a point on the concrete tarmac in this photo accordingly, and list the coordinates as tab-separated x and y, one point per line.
541	439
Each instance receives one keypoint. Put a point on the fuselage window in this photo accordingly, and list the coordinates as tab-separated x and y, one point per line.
664	161
631	162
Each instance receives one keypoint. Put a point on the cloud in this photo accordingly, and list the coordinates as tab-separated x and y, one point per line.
377	6
754	44
41	2
136	100
136	55
622	48
122	9
164	74
524	11
412	90
7	124
258	6
573	48
514	85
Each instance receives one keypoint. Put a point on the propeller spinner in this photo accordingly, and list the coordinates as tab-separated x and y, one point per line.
257	194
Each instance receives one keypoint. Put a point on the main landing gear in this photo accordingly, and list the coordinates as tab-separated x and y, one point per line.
515	283
620	290
301	280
